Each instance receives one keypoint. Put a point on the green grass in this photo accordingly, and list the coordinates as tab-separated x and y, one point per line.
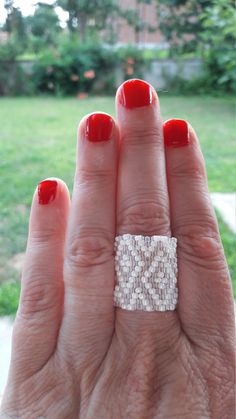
229	243
38	139
9	297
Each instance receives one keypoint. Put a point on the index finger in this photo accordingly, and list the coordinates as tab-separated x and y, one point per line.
89	262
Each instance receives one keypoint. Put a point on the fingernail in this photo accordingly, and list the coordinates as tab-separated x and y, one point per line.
176	133
47	190
99	127
135	94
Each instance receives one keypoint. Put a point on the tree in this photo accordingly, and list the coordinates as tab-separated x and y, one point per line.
207	26
14	24
100	15
219	38
180	23
43	25
8	4
83	13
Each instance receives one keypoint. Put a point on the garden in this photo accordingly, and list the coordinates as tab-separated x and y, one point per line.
51	76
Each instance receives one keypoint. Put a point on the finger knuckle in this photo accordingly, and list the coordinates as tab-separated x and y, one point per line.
144	217
89	176
39	238
36	299
188	168
89	249
200	241
141	135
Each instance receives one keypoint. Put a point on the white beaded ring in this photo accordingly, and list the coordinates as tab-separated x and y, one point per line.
146	273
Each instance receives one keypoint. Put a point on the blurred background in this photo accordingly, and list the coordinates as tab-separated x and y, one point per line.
62	59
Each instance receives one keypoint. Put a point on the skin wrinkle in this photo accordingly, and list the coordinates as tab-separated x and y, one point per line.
151	351
37	396
197	242
197	171
85	178
89	250
210	371
201	263
135	141
147	216
147	416
208	339
195	371
190	167
145	200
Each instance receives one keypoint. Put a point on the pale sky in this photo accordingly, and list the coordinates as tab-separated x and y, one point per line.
27	8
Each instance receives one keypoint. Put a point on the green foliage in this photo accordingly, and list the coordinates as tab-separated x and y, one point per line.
133	61
70	69
206	28
229	243
44	19
15	22
200	85
10	50
9	298
74	68
88	16
180	25
88	67
92	17
43	27
203	28
219	37
133	16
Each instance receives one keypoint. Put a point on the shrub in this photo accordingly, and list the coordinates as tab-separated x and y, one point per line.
69	69
219	36
73	68
133	61
85	68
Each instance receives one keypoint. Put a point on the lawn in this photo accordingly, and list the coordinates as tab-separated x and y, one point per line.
37	140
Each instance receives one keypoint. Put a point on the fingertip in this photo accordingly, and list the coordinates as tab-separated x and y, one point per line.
97	127
42	290
50	191
136	93
50	207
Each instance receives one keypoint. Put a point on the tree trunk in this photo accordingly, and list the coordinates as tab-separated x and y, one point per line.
82	22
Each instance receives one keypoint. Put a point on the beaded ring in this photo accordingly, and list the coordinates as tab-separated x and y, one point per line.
146	272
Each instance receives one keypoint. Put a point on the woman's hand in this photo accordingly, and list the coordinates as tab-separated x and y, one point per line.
74	355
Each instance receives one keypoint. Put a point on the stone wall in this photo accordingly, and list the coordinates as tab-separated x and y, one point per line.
162	72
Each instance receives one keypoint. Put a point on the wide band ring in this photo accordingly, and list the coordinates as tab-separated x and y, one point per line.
146	272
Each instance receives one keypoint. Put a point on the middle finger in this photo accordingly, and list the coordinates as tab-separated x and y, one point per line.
142	201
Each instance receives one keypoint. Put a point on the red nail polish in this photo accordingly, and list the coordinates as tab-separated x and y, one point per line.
175	133
136	93
99	127
47	190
